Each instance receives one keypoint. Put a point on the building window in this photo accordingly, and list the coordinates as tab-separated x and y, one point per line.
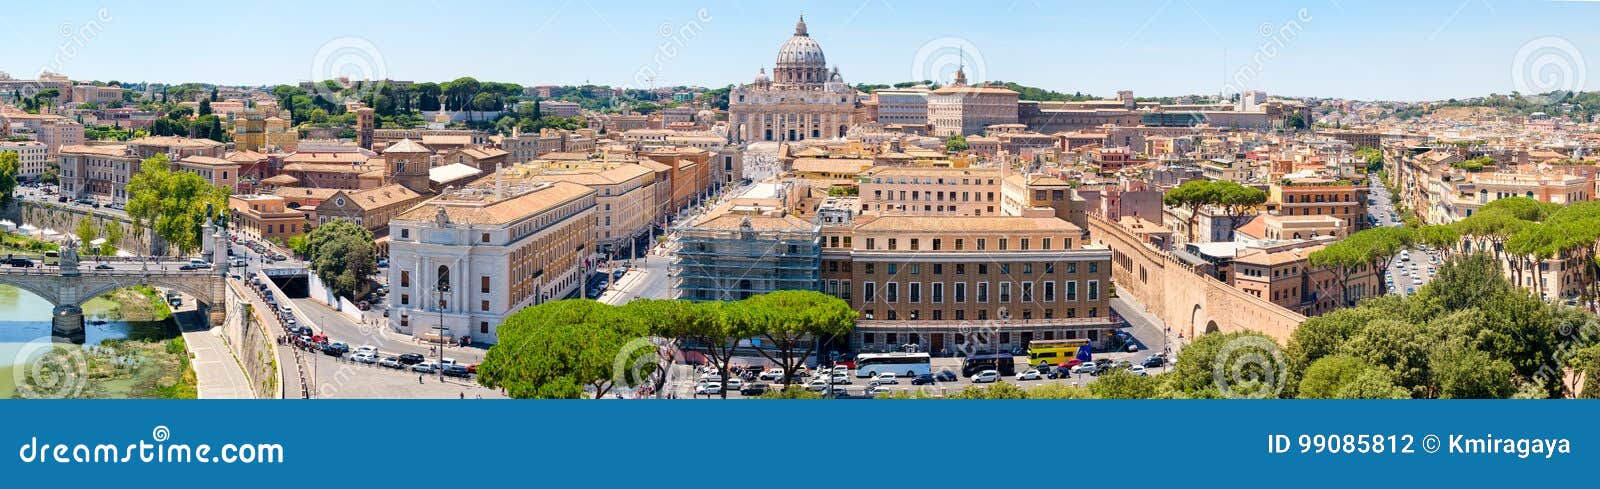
1005	292
891	292
405	278
483	284
983	292
961	292
1027	292
1094	291
405	299
485	237
483	327
916	292
1072	289
1049	291
938	292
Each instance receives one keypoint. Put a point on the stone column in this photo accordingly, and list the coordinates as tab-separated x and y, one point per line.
66	323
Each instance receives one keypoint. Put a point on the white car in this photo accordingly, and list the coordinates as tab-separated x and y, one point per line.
885	379
368	349
711	379
878	390
1138	370
818	384
708	389
840	378
425	367
841	370
1085	368
735	384
986	376
365	357
1030	374
772	374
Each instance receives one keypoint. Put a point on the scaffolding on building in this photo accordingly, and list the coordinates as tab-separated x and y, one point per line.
732	264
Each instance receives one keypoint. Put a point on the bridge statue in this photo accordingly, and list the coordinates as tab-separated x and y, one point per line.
69	258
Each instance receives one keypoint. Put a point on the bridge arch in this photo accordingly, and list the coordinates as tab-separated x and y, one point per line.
67	290
35	287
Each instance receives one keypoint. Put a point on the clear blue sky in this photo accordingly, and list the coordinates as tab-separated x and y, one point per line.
1392	50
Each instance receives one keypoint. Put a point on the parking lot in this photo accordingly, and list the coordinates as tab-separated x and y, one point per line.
684	387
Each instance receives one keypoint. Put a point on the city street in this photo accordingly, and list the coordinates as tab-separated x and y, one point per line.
1411	271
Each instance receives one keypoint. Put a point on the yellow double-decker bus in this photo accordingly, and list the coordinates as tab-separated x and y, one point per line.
1056	352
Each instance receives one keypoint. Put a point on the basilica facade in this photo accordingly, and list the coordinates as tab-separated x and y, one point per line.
802	99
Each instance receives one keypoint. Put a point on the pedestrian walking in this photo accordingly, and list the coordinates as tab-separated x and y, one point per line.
419	379
463	394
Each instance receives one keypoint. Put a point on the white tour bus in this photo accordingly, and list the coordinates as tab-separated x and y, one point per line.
904	365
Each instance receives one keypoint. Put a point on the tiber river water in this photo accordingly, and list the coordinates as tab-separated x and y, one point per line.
25	318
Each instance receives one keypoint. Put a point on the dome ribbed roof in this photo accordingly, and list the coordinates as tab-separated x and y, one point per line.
801	49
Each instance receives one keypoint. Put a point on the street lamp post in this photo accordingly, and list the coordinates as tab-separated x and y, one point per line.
441	289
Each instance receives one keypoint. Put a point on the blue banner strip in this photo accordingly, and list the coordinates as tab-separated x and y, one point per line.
879	443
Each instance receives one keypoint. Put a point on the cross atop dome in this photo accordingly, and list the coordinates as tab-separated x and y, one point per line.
800	27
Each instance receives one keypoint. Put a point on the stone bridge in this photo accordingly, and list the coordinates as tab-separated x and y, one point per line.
1189	302
68	287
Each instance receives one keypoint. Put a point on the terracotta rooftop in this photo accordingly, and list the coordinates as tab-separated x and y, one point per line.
483	209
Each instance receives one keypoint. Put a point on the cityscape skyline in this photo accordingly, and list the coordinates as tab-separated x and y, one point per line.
1427	50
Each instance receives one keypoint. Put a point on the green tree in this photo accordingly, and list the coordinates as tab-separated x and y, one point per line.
205	107
1348	377
8	176
566	349
792	322
1193	195
299	245
112	230
956	143
1120	384
1238	364
343	255
174	204
1373	157
1442	237
87	232
1466	373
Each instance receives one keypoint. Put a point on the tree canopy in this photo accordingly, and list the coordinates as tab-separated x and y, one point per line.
343	255
1233	199
173	204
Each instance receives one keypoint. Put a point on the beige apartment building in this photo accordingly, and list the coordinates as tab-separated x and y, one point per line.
930	191
1317	196
32	157
625	194
464	261
967	109
938	281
